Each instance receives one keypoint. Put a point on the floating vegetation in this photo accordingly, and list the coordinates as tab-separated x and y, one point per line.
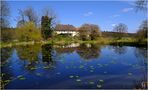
91	66
21	77
33	68
2	74
71	76
46	67
91	71
74	67
129	74
99	65
36	62
81	66
101	81
78	80
99	86
91	82
66	67
6	81
77	76
38	74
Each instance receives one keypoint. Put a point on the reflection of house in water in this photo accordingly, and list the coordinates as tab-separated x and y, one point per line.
85	51
66	30
89	51
66	48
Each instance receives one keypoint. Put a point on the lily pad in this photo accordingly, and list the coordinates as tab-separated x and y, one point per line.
81	66
46	67
77	76
91	82
71	76
6	81
130	74
91	71
78	80
101	81
21	77
99	86
38	74
33	68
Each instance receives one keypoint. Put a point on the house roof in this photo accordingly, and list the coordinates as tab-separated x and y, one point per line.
61	27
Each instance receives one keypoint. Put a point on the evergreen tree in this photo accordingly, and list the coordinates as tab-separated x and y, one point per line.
46	27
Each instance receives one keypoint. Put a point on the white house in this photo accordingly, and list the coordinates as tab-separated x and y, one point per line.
66	30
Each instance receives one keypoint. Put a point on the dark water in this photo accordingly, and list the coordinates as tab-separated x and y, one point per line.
73	66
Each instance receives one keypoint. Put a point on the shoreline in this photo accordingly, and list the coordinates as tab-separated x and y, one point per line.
64	42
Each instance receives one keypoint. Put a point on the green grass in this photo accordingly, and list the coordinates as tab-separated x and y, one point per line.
68	40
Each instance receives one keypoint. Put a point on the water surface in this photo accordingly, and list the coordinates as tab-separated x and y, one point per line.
78	66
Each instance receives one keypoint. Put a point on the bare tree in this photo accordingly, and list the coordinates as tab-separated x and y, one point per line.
141	5
51	14
84	32
27	15
31	15
21	18
89	31
5	13
120	29
143	30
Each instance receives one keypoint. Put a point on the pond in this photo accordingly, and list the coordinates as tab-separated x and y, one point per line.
75	66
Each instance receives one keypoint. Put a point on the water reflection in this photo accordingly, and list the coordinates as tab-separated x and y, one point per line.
29	55
65	50
43	69
89	51
29	52
5	54
141	54
119	49
47	54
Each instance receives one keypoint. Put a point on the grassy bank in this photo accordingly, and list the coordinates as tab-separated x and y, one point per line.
69	40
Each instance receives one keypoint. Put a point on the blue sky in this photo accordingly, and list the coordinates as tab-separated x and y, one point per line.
106	14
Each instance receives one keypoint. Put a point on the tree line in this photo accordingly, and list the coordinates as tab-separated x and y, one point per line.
31	27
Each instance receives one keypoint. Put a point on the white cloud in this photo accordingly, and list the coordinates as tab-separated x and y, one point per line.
116	15
88	14
113	25
127	10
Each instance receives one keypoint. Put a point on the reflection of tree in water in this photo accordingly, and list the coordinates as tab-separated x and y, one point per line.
5	54
119	49
141	54
29	53
89	51
66	50
6	73
47	52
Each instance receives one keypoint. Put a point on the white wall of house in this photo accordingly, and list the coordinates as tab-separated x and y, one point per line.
73	33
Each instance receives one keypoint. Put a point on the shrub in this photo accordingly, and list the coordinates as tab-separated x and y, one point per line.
28	32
